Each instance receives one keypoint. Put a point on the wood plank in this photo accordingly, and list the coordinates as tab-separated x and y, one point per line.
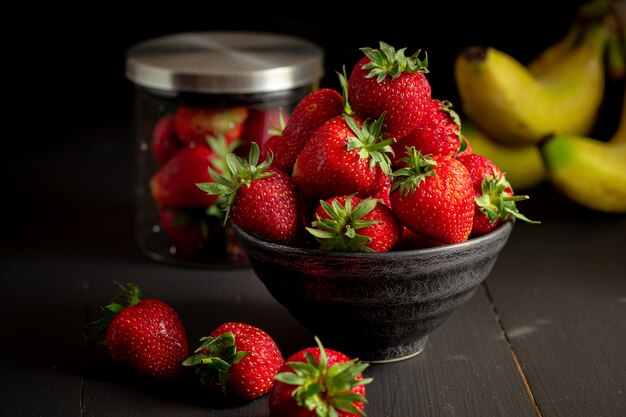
465	368
561	294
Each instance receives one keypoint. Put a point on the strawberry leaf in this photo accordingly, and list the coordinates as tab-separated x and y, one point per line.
418	168
324	389
238	172
369	141
214	358
497	200
387	61
339	232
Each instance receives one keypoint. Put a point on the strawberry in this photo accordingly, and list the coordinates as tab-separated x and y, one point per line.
189	233
433	197
174	184
194	124
316	382
351	224
411	240
309	114
239	359
383	193
259	199
146	334
439	133
165	143
386	81
493	195
260	126
344	156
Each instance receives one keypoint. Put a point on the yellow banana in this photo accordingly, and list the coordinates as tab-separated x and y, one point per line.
589	172
553	55
509	103
523	165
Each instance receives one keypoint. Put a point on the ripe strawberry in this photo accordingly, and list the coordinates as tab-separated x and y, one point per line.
493	195
260	126
174	184
411	240
189	234
309	114
259	199
146	335
383	193
319	382
344	156
194	124
433	197
351	224
239	359
386	81
439	133
165	143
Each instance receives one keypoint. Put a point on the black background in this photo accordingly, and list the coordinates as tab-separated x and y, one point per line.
66	67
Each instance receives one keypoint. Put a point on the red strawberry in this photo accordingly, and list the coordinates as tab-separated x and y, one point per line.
309	114
165	143
439	133
189	229
493	194
146	335
411	240
238	358
433	197
319	382
194	124
344	156
386	81
351	224
174	184
383	193
259	199
260	126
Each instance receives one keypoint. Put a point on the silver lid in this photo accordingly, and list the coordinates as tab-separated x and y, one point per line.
224	62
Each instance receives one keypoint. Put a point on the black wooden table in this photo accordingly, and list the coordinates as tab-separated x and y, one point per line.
544	336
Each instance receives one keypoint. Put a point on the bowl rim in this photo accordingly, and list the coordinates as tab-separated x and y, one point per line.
504	229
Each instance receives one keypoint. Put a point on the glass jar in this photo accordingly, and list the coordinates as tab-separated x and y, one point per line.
198	96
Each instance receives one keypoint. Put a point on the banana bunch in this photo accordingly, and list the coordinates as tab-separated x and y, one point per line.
589	172
534	120
511	103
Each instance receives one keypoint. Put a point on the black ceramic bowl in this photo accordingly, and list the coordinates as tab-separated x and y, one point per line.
377	307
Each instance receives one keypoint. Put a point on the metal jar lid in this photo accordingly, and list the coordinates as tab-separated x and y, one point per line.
224	62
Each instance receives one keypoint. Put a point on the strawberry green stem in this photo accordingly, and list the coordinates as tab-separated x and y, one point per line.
339	232
368	140
323	389
387	61
418	168
497	202
130	296
237	172
214	358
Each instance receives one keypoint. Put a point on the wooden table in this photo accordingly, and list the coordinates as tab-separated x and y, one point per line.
544	336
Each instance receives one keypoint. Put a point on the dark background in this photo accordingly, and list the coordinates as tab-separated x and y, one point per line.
72	76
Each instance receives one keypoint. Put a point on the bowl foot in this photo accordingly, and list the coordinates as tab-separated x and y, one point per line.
395	353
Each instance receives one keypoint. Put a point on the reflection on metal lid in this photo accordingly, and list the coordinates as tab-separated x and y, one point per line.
224	62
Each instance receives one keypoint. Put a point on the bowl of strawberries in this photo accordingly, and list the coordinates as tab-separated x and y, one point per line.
370	218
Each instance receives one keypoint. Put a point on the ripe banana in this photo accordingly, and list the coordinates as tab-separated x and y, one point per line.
507	101
553	55
589	172
522	165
